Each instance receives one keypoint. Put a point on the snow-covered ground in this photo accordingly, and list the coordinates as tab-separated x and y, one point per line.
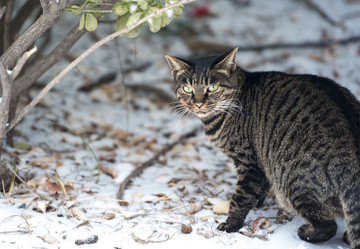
126	127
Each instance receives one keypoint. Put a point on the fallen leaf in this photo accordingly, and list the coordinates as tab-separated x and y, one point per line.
109	171
222	207
41	206
260	223
107	156
50	240
119	134
108	216
186	229
78	214
22	146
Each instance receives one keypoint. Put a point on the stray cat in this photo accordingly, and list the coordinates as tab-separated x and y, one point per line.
298	135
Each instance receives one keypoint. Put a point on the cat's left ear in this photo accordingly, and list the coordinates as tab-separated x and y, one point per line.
178	66
226	63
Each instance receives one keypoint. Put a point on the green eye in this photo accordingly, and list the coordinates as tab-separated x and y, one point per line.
213	88
187	89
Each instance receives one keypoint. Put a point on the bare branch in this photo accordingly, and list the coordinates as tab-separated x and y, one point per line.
77	61
19	65
7	25
2	11
5	99
43	23
312	5
21	16
26	80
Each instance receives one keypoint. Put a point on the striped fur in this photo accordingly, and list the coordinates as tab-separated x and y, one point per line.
298	135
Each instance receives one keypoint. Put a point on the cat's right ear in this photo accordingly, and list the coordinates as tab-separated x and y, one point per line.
178	66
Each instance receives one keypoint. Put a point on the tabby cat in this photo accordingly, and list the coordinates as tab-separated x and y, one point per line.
297	135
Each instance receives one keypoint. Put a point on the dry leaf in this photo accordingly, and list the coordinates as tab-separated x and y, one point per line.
173	182
109	171
137	195
41	206
50	240
107	156
136	140
51	186
108	216
205	218
78	214
260	223
186	229
186	158
120	134
222	207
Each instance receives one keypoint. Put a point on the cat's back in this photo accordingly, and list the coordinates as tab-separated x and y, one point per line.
293	113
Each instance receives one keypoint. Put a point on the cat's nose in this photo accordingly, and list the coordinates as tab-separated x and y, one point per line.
199	105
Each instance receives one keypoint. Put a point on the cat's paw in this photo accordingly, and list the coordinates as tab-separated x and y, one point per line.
322	232
229	227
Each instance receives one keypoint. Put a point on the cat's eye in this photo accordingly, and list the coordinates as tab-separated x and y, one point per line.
187	89
213	88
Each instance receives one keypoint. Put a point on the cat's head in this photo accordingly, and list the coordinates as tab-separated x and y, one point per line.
205	86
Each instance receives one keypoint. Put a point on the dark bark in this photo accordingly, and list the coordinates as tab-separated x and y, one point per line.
25	81
51	12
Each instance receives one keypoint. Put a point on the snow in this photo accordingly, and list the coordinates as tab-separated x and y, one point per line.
127	128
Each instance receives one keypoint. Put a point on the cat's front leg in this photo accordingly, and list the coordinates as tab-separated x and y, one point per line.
251	190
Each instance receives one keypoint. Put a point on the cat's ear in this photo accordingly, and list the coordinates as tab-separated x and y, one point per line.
226	62
178	66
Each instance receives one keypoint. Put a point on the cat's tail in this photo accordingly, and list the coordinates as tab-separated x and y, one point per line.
351	208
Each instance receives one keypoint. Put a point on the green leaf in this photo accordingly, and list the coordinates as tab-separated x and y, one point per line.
75	9
143	4
22	146
155	24
165	19
82	22
120	8
177	11
121	22
90	22
151	10
135	32
134	18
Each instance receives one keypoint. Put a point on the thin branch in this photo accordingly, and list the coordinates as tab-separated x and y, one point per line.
321	12
199	45
21	16
7	25
26	80
19	65
5	99
77	61
43	23
2	11
165	149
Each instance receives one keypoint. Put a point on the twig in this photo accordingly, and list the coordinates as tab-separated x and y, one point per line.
144	242
321	12
22	180
254	235
87	52
2	11
5	99
214	47
23	59
151	161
